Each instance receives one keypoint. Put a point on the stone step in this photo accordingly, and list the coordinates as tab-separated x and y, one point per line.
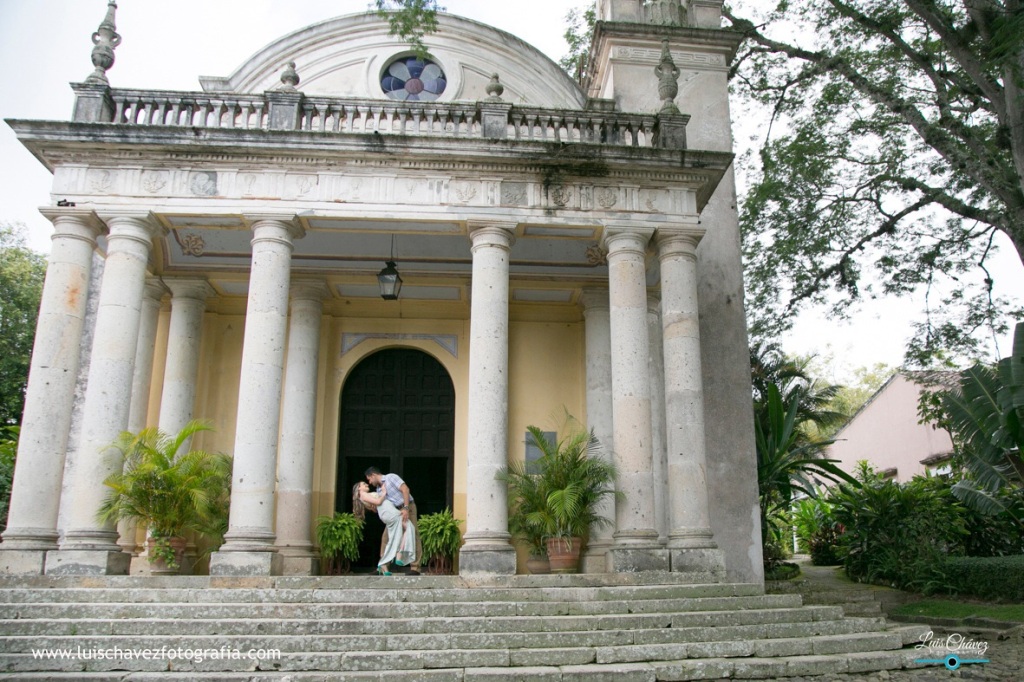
272	626
333	610
354	661
375	590
101	620
656	671
523	627
328	638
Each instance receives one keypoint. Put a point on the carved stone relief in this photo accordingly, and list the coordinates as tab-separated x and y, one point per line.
513	193
154	181
203	183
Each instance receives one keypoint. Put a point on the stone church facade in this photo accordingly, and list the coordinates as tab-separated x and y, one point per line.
562	248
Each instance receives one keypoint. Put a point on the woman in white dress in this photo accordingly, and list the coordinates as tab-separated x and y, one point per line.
363	499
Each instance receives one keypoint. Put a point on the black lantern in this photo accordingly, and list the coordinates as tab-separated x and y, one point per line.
390	282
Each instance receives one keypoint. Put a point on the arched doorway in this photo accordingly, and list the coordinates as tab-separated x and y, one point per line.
397	414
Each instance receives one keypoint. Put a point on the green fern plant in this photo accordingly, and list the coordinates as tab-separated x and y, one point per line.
441	539
339	537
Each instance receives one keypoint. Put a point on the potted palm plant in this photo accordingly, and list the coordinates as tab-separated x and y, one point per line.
527	495
169	491
563	497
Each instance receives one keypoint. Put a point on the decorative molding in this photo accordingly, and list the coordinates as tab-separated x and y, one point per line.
449	342
681	59
191	244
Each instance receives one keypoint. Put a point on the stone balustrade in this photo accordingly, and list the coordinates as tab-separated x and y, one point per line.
462	120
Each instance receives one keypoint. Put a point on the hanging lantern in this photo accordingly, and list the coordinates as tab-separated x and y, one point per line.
390	282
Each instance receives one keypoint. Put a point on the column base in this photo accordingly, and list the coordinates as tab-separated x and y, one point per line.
87	562
699	560
22	561
497	559
635	559
243	563
299	564
595	559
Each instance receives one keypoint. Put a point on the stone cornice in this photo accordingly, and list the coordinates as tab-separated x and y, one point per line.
53	141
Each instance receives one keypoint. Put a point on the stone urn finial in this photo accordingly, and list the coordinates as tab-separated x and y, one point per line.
290	77
668	80
494	88
105	39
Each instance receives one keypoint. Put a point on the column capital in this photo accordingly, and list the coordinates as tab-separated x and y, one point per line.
492	233
140	225
594	298
70	221
287	222
622	238
308	290
198	289
678	241
155	289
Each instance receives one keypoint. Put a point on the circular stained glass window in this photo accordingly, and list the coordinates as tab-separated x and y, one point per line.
413	79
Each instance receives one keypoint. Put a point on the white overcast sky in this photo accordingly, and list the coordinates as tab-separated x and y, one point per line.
168	44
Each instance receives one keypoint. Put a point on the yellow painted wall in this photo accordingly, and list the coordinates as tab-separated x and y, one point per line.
546	379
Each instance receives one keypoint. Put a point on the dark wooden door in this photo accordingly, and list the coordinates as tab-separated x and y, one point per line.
397	414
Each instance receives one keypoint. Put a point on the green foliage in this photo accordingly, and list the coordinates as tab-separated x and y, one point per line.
338	537
21	286
8	451
925	610
892	154
994	578
985	415
571	480
579	31
411	20
817	530
441	539
168	490
527	497
899	535
786	467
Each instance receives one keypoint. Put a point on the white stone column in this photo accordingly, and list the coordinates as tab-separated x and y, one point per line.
49	396
636	539
691	542
487	549
656	371
184	334
298	430
90	546
249	542
141	380
597	329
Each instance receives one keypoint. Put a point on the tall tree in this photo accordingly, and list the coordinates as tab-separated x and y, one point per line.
21	286
894	154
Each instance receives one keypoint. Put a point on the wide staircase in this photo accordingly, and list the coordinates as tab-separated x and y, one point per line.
621	628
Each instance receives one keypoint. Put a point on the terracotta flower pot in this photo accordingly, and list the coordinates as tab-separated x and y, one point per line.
538	565
157	564
564	554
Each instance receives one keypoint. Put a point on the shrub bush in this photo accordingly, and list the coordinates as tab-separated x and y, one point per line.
900	535
997	578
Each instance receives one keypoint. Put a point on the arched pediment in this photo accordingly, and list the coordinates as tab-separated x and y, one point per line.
347	56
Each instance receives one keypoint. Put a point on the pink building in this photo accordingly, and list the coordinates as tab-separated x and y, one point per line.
887	432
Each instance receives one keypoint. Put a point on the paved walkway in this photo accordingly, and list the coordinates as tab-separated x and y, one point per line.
1005	648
